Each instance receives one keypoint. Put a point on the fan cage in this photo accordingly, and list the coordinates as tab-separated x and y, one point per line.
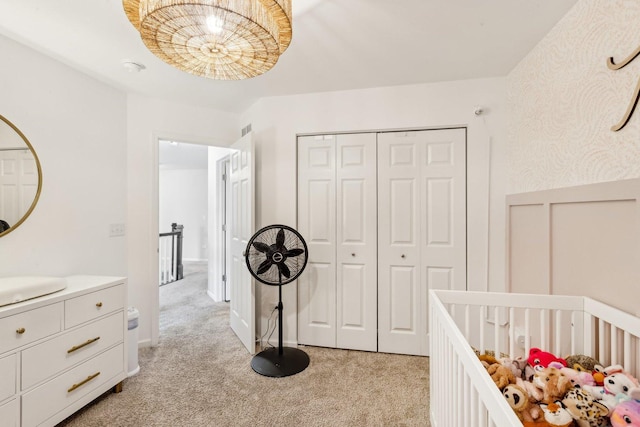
295	264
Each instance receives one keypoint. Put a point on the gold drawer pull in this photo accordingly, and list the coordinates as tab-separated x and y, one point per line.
81	383
21	331
78	347
99	304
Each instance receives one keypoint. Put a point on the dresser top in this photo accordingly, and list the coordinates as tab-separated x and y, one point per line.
76	285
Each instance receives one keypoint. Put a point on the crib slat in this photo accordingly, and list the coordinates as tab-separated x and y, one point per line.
574	334
482	416
626	343
527	331
602	356
512	332
483	315
467	321
558	333
466	401
496	331
614	345
544	328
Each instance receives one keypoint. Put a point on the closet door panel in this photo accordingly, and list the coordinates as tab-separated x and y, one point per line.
443	199
356	242
317	224
399	273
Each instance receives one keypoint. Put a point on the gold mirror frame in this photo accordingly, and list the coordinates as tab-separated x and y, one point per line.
37	161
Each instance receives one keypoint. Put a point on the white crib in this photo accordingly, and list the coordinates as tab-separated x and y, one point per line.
462	394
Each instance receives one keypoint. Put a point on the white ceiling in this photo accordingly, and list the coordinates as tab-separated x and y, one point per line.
337	45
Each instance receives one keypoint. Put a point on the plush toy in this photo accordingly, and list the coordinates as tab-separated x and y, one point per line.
626	414
538	357
617	385
501	375
556	415
598	374
587	411
535	394
488	358
553	384
620	382
581	362
519	402
578	378
516	365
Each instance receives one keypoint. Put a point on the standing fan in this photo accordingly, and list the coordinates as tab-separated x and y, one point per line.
276	255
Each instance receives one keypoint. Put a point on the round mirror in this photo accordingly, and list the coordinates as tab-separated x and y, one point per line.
20	177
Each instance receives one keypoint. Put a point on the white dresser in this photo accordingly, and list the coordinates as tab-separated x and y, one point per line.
58	352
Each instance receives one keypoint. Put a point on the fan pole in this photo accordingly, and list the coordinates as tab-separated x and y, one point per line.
280	347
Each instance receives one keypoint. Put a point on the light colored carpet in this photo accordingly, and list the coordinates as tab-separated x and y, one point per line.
200	375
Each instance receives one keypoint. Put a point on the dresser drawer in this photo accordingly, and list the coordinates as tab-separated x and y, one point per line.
91	306
29	326
10	413
45	401
50	357
7	377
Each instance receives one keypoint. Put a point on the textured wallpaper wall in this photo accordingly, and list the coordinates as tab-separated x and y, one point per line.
563	100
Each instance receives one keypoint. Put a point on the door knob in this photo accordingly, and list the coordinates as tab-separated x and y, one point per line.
402	256
353	254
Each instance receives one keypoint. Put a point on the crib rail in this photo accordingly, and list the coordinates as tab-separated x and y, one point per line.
511	324
461	392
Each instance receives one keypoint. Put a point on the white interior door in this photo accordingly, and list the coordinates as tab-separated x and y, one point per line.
242	225
356	243
18	184
422	230
317	222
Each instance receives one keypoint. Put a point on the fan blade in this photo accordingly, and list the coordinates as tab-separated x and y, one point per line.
294	252
265	266
284	270
280	239
262	247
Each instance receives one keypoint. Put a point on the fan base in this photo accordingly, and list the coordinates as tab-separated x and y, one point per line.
272	364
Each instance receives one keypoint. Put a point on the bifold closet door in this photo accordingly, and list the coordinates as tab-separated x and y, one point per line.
422	230
317	224
356	254
337	294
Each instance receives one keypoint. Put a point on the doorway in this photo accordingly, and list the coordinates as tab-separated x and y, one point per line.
192	197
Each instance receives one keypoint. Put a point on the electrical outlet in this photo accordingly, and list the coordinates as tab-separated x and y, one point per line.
116	230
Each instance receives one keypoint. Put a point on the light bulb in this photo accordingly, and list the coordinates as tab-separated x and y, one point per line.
214	24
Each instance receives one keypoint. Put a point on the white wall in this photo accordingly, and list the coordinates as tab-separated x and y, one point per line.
77	127
276	121
183	200
147	120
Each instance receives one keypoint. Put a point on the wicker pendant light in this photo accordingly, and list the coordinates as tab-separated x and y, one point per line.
219	39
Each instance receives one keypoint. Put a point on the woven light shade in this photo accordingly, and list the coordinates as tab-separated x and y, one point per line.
246	39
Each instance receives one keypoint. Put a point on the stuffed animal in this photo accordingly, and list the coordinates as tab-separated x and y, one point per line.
553	384
516	365
598	374
581	362
617	385
535	394
501	375
538	357
556	415
587	411
620	382
626	414
487	359
519	402
578	378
